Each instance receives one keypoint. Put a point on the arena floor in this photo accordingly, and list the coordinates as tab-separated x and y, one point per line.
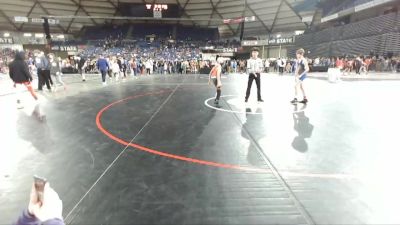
155	150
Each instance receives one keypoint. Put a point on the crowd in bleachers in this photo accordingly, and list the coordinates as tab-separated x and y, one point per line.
105	33
358	64
166	56
146	66
151	47
145	62
348	65
6	56
156	56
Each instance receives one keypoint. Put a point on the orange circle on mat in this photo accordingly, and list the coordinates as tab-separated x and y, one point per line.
154	151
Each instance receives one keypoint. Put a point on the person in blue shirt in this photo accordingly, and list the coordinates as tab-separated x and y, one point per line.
47	212
103	67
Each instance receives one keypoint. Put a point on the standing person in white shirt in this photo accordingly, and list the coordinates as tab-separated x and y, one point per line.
149	66
281	65
115	68
267	65
165	67
254	68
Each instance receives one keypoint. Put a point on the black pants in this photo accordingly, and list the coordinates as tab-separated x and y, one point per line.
103	75
215	81
358	69
44	78
50	79
258	83
40	79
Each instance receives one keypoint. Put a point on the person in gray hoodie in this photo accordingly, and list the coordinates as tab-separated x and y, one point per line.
55	70
43	67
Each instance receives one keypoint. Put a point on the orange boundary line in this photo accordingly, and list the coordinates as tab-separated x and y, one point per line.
154	151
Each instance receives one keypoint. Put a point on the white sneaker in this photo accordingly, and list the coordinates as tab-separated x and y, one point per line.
104	83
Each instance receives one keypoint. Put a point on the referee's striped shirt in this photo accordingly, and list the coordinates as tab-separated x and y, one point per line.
254	65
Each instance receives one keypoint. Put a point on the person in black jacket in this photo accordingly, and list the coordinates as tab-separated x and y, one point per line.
81	69
20	75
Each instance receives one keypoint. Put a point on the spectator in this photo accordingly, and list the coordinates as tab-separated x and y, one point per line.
55	70
281	65
288	67
19	74
368	62
267	64
165	67
48	212
103	67
81	64
357	64
115	68
149	65
133	66
43	67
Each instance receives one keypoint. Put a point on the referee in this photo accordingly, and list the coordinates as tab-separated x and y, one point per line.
254	68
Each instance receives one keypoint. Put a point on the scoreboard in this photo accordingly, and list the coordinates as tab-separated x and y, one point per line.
150	10
157	7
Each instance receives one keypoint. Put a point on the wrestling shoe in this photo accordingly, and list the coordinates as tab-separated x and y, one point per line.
304	101
294	101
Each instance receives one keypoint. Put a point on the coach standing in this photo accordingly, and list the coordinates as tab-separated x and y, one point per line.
103	67
254	68
43	68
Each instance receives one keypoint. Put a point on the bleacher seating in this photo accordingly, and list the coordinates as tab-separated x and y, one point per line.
392	42
372	26
138	31
356	46
195	33
141	30
346	4
95	33
304	39
380	35
322	36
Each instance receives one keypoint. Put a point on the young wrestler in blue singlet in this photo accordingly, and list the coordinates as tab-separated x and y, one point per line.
300	75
